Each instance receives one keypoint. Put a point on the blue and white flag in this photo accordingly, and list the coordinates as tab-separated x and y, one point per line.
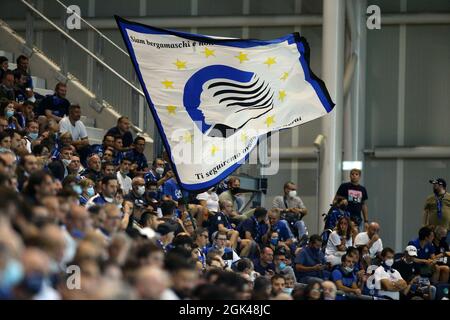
212	98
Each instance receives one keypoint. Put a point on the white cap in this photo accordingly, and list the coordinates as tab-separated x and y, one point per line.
412	251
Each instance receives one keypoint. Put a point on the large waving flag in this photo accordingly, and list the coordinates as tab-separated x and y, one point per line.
211	98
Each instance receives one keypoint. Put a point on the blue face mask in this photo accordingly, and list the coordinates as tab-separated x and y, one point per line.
33	135
12	274
9	113
282	265
274	241
90	192
78	234
77	189
288	290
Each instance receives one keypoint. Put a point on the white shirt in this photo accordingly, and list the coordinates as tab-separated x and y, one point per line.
335	240
124	182
78	131
212	200
363	239
392	275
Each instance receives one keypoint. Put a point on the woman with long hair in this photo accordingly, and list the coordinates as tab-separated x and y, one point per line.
338	242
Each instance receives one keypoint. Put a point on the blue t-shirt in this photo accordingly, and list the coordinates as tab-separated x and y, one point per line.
171	188
97	149
422	253
347	280
284	232
309	258
137	157
256	229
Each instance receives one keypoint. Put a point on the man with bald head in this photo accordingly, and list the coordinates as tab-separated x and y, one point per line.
372	239
137	192
78	221
329	290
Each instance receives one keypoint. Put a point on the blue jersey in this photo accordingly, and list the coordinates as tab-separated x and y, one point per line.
171	188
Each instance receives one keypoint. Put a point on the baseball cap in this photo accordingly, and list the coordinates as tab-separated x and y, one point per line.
412	251
165	228
439	181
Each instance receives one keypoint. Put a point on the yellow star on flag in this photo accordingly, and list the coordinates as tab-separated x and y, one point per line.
242	57
270	61
244	137
281	95
269	121
214	149
180	64
171	109
187	137
208	52
284	76
168	84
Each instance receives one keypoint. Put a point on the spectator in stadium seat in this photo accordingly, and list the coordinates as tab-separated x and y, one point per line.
427	257
310	263
356	195
344	276
4	65
108	155
234	185
122	175
255	228
87	191
76	127
441	247
292	208
8	111
123	129
94	168
313	291
108	169
32	134
372	239
137	156
338	242
264	265
108	141
59	168
74	167
55	106
286	237
7	87
28	164
109	188
23	67
437	205
329	290
156	173
282	266
5	140
3	124
388	281
40	184
172	189
25	113
222	222
137	192
228	254
278	284
410	272
21	91
8	163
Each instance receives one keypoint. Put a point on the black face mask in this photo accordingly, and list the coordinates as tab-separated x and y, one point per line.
235	190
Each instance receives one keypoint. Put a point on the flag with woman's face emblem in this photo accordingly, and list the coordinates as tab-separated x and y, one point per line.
212	98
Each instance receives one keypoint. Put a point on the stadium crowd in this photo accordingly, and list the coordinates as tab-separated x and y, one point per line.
83	221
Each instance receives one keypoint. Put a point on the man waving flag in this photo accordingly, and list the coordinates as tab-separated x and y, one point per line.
212	98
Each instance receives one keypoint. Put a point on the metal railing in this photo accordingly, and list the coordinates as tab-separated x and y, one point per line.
124	95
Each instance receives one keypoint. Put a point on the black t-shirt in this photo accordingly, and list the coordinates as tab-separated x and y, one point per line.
127	137
219	218
355	195
407	271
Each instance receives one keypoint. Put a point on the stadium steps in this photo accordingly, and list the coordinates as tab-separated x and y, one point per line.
40	86
47	73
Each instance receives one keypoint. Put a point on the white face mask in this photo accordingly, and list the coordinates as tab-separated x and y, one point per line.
108	199
159	170
292	193
389	262
66	162
141	190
